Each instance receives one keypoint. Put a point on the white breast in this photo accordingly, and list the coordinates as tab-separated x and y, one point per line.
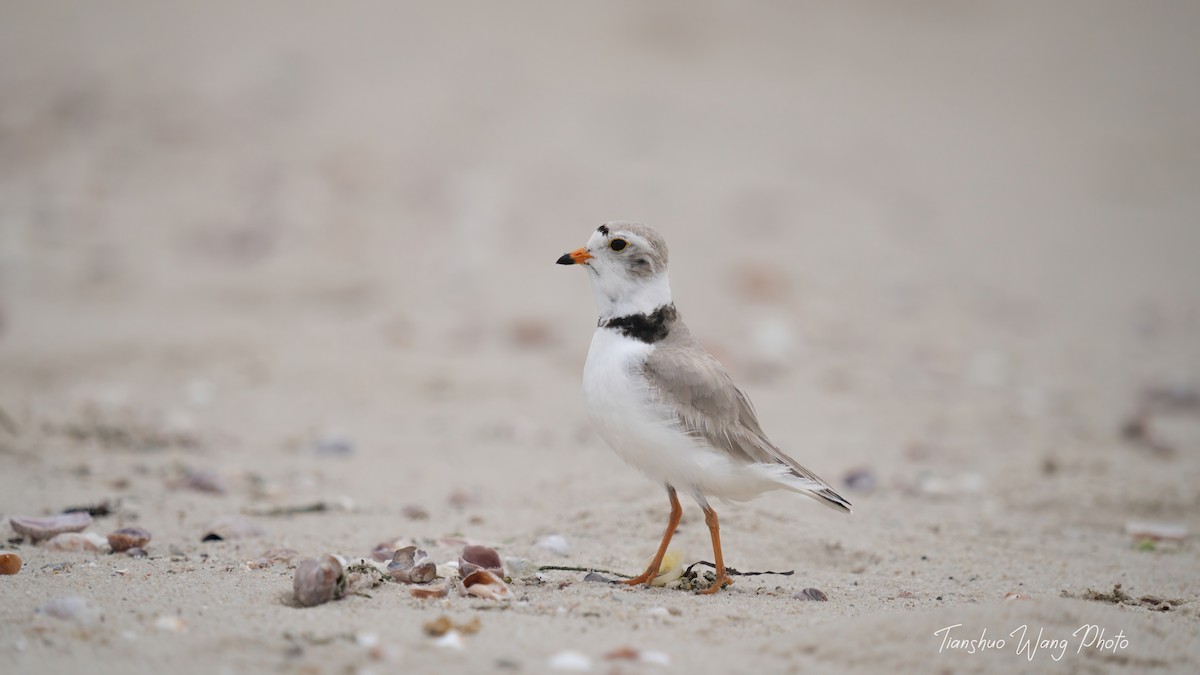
642	430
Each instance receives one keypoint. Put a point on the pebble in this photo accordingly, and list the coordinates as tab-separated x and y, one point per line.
333	446
127	538
318	581
570	660
861	480
38	529
555	543
10	562
204	480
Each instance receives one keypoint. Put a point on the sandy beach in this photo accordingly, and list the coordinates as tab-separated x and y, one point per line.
291	266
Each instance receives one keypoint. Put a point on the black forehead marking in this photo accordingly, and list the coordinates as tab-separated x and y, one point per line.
603	229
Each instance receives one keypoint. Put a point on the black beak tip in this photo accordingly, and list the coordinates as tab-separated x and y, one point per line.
565	259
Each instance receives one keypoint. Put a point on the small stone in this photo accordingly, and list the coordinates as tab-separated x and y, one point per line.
811	594
861	480
415	512
204	480
318	581
39	529
10	562
598	578
127	538
333	446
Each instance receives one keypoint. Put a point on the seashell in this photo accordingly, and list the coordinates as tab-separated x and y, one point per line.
1156	531
639	656
205	480
271	557
485	584
451	640
475	557
38	529
136	552
441	590
10	562
570	660
411	565
384	551
76	541
555	543
670	569
520	567
318	581
170	624
70	608
127	538
231	527
811	594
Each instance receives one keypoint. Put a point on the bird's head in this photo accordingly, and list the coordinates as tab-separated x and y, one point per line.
627	264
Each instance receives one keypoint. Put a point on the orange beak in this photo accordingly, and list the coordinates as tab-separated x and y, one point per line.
577	257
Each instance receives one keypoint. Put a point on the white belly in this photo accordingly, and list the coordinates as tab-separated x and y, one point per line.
643	433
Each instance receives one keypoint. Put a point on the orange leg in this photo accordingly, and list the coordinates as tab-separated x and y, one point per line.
722	580
652	571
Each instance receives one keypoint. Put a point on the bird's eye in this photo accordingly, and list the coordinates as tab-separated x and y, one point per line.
617	244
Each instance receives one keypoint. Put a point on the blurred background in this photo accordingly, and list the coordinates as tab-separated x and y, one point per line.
963	234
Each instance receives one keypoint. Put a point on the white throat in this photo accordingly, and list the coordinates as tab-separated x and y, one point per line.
622	296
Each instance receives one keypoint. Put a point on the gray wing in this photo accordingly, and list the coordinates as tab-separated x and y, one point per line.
710	407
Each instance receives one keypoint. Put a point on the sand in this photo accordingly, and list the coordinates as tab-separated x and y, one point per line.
947	251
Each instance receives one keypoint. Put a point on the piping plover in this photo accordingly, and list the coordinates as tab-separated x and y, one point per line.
663	403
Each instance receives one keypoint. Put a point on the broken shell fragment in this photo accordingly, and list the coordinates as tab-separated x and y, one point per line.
271	557
384	551
127	538
10	562
811	594
231	527
76	541
432	591
411	565
520	567
318	581
38	529
475	557
485	584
